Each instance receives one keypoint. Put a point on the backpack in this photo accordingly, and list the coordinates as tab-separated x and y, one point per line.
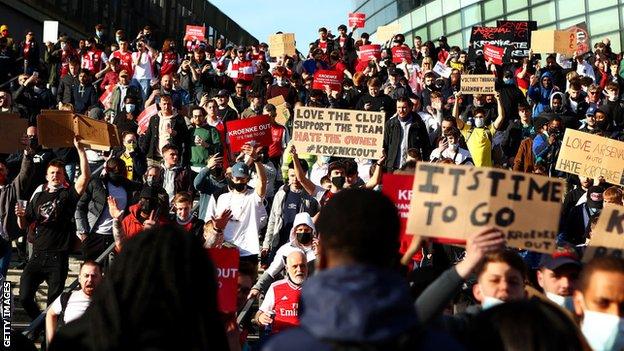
65	295
408	341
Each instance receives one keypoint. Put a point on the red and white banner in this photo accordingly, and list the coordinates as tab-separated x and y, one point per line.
195	33
254	129
357	20
226	263
327	77
107	96
400	53
145	116
368	52
494	53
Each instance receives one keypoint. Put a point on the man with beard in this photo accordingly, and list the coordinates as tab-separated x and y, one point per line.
71	305
281	304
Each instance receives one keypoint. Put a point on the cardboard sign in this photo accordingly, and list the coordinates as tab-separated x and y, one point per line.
442	70
453	201
145	116
327	77
334	132
195	33
356	20
283	113
385	33
400	53
226	262
13	129
58	129
50	31
582	37
591	156
494	53
368	52
282	44
553	41
249	130
608	235
477	83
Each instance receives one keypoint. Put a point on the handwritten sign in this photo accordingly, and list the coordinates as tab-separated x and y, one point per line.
477	83
452	201
282	44
608	235
400	53
334	132
553	41
195	33
254	129
226	262
327	77
356	20
516	42
591	156
283	113
368	52
493	53
385	33
442	70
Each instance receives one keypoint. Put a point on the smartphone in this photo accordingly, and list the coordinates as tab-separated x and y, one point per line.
35	74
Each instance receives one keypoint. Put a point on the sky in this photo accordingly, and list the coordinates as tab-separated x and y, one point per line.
302	17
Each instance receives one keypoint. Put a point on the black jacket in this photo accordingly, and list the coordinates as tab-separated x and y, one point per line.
380	102
65	88
149	142
83	97
417	139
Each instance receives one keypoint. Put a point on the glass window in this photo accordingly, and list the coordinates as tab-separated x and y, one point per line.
493	8
599	22
601	4
472	15
436	29
570	22
570	8
455	39
453	22
466	33
451	5
543	14
422	33
418	16
434	10
405	23
519	16
465	3
513	5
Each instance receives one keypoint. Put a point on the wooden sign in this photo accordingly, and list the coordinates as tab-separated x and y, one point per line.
477	83
453	201
282	44
553	41
608	235
592	156
333	132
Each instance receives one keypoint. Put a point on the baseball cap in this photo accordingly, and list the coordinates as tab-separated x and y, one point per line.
240	170
149	192
563	255
223	92
591	111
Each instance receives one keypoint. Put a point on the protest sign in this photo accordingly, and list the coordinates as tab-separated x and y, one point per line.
553	41
226	261
50	31
442	70
356	20
453	201
581	34
516	43
591	156
195	33
13	129
342	133
477	83
58	129
368	52
607	238
282	44
327	77
385	33
145	116
493	53
400	53
283	113
255	130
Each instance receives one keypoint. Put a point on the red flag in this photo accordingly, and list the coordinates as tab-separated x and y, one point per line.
107	96
494	53
145	116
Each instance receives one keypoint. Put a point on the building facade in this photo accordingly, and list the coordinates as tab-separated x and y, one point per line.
430	19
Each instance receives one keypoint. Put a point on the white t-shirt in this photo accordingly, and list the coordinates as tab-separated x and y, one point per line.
77	304
248	215
317	172
143	70
459	157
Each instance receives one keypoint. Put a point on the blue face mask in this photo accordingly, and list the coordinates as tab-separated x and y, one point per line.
99	33
489	302
324	159
603	331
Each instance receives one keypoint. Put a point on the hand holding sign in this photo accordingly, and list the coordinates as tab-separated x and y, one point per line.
478	244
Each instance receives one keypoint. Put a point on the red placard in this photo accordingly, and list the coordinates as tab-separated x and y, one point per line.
367	52
327	77
145	116
401	52
226	263
398	188
357	20
494	53
242	131
195	33
107	96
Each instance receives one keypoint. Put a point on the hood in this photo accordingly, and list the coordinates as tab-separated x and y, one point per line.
564	101
356	303
302	218
546	74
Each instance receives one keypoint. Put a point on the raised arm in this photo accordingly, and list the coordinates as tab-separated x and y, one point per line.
501	112
300	173
85	171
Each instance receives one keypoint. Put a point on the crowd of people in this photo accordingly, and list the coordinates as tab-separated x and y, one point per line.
316	227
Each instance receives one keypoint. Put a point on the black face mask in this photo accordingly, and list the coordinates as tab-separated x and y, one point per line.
33	142
147	205
216	172
304	238
339	181
240	187
556	132
603	125
115	178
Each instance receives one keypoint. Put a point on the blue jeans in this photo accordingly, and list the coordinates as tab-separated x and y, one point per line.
5	257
